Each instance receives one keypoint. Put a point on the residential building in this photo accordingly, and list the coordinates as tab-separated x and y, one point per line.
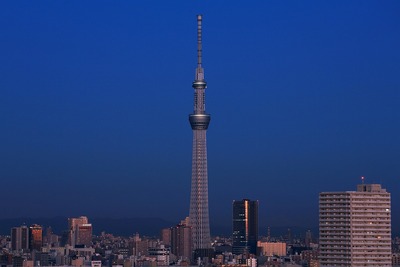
355	227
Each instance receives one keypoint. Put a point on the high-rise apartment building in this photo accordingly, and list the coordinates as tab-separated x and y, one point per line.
199	121
245	227
355	227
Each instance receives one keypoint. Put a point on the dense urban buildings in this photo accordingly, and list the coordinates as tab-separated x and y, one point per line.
245	226
355	227
199	121
278	249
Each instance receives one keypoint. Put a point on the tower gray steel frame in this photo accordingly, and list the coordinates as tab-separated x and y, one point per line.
199	120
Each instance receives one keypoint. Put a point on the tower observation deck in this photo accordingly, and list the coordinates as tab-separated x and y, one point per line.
199	121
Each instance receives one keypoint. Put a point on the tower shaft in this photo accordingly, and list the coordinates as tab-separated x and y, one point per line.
199	121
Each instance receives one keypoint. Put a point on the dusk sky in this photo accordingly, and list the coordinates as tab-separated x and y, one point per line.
304	97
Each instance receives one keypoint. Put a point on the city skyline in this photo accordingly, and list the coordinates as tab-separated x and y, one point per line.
95	97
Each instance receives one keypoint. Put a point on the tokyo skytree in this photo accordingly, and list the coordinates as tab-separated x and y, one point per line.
199	120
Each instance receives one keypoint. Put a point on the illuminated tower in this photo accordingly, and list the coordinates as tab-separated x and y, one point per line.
199	121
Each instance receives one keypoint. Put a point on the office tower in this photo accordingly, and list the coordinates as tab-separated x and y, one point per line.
355	227
73	224
20	238
84	235
181	241
166	236
140	247
245	227
36	237
80	231
199	121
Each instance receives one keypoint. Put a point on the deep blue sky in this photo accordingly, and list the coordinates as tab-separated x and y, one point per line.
95	97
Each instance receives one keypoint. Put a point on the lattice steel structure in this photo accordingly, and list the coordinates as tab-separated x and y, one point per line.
199	120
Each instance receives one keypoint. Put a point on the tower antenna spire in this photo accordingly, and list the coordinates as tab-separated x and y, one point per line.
199	121
199	40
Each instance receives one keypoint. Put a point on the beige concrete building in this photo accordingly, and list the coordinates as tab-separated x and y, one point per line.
272	248
355	227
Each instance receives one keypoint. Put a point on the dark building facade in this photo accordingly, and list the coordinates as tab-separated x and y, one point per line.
245	227
20	238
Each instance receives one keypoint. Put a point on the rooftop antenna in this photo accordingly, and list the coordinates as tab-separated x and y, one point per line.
362	180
